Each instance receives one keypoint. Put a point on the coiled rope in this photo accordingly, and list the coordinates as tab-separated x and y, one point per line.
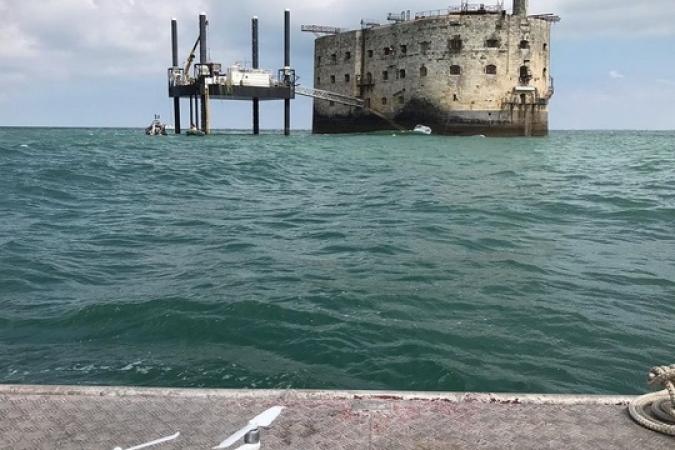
656	411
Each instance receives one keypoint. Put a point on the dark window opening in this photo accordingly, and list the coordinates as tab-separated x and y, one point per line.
545	73
401	99
333	58
318	80
525	75
524	44
545	46
401	73
492	43
348	56
455	44
423	71
385	75
332	79
455	98
387	51
347	78
384	100
318	60
404	49
523	99
370	53
331	103
491	69
455	70
369	78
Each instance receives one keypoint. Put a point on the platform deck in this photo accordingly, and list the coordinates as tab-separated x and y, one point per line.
53	417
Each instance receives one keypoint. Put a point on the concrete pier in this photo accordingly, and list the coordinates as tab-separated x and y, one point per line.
49	417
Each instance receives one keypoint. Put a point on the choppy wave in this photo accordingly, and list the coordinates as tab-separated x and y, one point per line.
428	263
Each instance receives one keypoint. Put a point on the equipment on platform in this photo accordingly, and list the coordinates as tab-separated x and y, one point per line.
251	432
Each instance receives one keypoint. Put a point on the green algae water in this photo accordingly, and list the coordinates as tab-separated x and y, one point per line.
352	262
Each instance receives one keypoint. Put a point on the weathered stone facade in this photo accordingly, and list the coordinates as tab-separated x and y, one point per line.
461	73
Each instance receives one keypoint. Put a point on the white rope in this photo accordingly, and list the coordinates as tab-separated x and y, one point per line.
656	411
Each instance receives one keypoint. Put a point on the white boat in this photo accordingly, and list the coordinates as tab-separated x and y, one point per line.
422	129
156	128
194	131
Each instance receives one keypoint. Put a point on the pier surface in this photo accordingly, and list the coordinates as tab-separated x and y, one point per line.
59	417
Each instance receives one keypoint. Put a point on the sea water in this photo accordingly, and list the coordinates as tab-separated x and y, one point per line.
350	262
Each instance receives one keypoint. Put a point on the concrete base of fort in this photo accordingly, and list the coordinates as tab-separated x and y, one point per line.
457	123
68	417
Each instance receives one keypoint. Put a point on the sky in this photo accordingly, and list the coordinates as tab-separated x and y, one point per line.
103	62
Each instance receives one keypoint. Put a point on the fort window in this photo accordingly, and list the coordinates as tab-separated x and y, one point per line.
384	100
455	98
492	43
387	51
369	78
401	99
318	80
331	103
401	73
385	75
370	53
544	74
425	47
525	74
404	49
348	56
347	78
525	45
333	58
455	70
491	69
455	44
423	71
545	46
332	79
318	60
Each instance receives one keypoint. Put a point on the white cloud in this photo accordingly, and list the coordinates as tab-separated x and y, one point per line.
616	75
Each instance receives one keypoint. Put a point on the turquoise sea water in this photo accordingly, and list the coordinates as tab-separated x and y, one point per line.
364	261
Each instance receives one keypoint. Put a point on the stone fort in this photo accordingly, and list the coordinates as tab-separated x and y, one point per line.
467	70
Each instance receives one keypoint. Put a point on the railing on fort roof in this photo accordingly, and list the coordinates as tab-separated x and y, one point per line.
464	8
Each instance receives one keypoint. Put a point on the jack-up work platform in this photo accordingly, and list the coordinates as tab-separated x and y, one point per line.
208	80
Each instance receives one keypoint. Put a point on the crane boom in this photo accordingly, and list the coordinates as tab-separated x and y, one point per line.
191	58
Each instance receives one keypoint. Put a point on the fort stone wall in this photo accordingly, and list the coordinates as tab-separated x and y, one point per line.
459	73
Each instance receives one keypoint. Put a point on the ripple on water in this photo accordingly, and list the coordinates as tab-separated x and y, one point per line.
362	261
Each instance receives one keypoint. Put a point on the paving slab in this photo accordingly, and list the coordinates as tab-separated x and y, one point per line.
62	417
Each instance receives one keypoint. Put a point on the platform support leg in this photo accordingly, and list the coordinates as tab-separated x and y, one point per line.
203	60
174	62
256	65
287	66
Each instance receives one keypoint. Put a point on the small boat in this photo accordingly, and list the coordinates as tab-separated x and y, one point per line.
194	131
422	129
156	128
